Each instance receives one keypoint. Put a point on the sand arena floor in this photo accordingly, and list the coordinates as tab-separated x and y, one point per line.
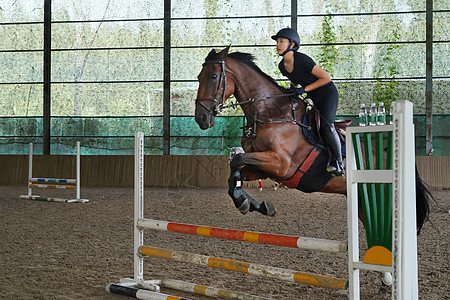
71	251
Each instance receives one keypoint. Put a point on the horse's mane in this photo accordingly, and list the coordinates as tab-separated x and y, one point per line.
249	60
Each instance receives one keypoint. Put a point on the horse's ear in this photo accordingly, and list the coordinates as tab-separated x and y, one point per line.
211	55
224	52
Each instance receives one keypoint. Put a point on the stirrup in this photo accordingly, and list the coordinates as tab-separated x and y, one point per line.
335	168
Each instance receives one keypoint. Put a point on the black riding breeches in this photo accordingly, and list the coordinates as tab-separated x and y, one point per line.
326	99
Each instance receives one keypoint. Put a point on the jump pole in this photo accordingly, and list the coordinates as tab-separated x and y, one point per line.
67	184
247	268
402	262
305	243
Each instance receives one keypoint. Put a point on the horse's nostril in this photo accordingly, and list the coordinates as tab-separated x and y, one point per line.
204	118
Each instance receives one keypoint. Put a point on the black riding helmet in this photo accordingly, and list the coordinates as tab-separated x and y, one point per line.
291	35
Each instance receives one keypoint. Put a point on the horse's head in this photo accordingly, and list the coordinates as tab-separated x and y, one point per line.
213	89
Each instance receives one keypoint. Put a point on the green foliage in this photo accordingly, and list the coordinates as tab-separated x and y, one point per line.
328	52
228	36
386	91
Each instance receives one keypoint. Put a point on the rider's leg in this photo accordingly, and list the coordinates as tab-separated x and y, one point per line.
326	101
331	138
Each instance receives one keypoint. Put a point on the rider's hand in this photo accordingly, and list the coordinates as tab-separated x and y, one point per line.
300	92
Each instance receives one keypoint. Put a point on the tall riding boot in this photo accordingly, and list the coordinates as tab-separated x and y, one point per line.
331	138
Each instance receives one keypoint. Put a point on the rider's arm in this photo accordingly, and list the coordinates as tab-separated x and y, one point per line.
323	78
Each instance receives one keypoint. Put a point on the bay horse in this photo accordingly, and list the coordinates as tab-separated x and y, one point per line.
273	140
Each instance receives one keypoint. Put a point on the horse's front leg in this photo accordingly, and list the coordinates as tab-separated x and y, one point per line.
251	166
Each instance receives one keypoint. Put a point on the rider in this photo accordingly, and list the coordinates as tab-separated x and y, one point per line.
316	84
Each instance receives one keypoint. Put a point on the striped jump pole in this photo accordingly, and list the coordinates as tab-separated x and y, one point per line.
138	293
387	196
53	180
49	186
207	290
189	287
48	199
246	236
67	184
248	268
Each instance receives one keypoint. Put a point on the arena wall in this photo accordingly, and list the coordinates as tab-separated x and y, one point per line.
164	171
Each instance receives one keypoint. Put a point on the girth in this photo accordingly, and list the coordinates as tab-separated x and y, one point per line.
294	180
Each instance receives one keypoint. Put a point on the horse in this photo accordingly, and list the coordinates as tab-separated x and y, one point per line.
273	138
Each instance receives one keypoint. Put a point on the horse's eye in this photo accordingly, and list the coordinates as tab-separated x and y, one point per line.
214	76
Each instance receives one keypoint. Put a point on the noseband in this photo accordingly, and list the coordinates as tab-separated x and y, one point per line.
222	81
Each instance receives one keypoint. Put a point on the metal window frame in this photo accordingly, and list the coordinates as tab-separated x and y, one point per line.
167	19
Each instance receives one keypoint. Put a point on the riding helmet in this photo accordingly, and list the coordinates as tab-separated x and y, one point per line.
289	34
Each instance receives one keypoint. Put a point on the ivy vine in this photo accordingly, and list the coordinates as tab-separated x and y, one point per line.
328	54
386	91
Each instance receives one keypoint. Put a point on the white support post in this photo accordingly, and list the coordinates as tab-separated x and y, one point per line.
352	221
138	205
30	169
78	178
78	171
404	241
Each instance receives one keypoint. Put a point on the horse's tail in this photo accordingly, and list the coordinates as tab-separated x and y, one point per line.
423	196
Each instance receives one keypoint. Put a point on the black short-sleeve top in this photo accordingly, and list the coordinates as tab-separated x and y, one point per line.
301	74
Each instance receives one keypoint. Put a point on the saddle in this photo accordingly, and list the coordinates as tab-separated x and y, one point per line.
312	120
311	175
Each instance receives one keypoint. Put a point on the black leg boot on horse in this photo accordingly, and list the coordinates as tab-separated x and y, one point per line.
331	138
243	201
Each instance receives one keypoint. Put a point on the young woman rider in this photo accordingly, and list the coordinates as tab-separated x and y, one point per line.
316	84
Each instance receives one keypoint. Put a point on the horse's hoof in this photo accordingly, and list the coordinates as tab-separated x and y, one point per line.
242	204
267	209
384	289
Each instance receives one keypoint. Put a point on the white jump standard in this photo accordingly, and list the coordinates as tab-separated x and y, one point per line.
141	251
400	174
53	183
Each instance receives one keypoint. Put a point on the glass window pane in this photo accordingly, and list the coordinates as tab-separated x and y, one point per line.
22	11
21	99
107	34
194	58
22	37
363	61
21	66
441	64
225	32
352	93
107	99
317	7
441	27
441	5
182	101
107	65
214	8
20	126
441	105
106	9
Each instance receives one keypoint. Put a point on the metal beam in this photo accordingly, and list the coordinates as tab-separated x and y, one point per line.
47	76
429	79
166	95
294	13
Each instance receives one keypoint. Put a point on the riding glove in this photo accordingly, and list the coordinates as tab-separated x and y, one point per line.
300	92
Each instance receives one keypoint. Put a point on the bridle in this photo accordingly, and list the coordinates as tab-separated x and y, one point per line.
217	108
